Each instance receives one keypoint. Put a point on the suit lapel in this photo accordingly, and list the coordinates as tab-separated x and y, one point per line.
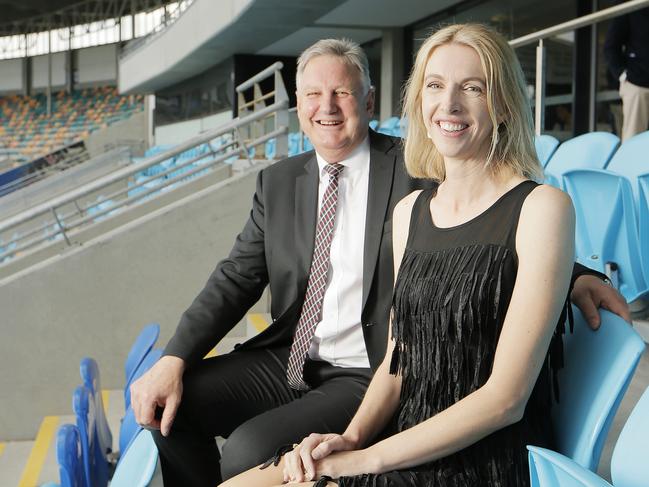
306	216
379	190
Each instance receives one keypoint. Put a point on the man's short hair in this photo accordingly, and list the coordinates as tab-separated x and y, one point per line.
346	49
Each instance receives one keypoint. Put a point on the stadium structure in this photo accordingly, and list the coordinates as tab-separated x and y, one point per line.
131	133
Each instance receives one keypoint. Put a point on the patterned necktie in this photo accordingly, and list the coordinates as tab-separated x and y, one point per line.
312	306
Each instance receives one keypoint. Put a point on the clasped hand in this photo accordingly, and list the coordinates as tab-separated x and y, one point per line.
332	455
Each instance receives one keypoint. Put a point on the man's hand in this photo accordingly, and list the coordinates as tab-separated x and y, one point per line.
299	464
591	293
161	386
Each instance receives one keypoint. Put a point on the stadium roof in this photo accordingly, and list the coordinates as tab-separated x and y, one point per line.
25	16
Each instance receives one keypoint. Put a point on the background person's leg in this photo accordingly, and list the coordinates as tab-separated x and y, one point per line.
327	408
219	394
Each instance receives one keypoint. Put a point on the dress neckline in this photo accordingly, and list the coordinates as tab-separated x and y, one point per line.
476	218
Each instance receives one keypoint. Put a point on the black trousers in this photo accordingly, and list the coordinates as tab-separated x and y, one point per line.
245	397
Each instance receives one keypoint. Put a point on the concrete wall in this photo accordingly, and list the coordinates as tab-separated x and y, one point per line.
40	71
93	300
131	132
12	76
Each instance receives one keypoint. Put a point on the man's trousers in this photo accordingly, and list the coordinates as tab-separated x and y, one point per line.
245	397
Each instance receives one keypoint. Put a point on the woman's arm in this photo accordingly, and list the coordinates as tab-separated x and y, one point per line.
545	247
381	398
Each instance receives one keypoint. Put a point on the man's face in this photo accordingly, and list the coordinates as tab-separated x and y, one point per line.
333	110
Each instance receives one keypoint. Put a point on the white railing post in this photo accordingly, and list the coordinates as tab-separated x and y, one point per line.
539	92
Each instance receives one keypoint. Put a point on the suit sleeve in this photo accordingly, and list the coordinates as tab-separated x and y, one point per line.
616	39
580	270
233	287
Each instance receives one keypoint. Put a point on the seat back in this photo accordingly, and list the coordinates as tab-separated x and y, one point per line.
606	228
128	429
141	346
151	358
137	466
592	150
89	371
545	147
632	159
629	465
68	455
551	469
643	220
598	366
95	465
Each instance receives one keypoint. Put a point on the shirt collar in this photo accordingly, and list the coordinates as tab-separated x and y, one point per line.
358	158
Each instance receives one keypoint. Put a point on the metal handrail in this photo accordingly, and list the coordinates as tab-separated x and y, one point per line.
65	220
569	26
584	21
259	76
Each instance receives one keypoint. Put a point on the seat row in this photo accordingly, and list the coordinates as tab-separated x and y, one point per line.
609	186
84	449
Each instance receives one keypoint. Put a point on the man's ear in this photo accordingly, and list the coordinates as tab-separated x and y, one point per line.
369	101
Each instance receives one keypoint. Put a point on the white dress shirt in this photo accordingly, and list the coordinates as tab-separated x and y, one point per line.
338	337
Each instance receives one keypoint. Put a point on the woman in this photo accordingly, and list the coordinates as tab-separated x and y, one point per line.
483	269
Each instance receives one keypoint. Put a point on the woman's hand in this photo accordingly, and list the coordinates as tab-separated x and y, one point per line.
299	464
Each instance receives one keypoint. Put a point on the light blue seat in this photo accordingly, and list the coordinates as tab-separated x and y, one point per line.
141	346
151	358
95	466
374	124
137	466
68	455
632	160
391	126
643	221
89	372
545	147
606	230
629	465
592	150
598	366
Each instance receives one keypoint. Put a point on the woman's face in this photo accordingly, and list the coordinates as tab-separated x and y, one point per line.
454	104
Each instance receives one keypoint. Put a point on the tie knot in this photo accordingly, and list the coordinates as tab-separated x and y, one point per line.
334	170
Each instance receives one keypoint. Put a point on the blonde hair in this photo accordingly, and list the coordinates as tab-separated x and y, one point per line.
512	137
346	49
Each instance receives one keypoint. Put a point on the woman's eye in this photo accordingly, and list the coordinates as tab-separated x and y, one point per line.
434	85
473	90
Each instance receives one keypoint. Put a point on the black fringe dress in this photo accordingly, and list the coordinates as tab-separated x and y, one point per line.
451	296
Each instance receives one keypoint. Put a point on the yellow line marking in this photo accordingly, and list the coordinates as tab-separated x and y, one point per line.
211	353
258	321
2	448
38	454
105	398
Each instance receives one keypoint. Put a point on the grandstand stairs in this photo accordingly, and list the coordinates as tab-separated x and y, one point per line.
33	463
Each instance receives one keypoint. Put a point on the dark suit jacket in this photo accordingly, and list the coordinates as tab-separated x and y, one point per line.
276	246
627	47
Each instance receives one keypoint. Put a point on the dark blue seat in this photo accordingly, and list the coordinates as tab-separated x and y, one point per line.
95	465
89	371
141	346
68	455
151	358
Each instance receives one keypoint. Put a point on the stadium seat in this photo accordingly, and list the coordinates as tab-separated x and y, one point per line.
592	150
391	126
643	220
95	465
128	429
68	455
141	346
632	160
90	375
137	465
545	147
151	358
606	229
598	366
629	466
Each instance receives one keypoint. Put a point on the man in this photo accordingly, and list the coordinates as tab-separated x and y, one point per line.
627	51
319	234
